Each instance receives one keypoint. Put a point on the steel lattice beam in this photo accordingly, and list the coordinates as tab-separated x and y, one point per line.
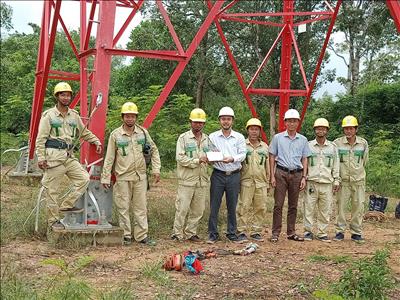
220	10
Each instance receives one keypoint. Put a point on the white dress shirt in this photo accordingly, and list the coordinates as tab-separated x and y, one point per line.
233	146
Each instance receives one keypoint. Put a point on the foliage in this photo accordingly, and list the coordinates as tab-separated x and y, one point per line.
66	285
13	287
367	278
6	16
171	121
368	29
326	295
383	168
375	102
121	293
14	223
154	271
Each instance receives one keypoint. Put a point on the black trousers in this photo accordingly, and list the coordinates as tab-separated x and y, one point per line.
220	183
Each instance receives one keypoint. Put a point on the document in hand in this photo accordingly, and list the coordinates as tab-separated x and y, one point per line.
215	156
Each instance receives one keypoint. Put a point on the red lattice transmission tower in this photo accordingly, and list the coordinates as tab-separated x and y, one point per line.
99	78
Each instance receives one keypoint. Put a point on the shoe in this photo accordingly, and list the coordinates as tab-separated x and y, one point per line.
127	241
148	242
212	238
339	237
237	238
71	210
175	238
194	238
308	236
324	239
257	237
357	238
57	225
295	237
242	237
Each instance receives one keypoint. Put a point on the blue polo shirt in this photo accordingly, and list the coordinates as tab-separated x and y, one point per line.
288	151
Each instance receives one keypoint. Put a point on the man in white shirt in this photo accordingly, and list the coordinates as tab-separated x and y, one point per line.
226	175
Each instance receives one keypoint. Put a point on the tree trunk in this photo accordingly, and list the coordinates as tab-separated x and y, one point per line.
201	79
200	89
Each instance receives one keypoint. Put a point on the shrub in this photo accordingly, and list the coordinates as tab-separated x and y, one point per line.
367	278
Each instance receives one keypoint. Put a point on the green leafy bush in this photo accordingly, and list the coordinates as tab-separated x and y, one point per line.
367	278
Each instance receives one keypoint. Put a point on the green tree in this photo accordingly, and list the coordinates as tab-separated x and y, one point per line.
367	28
6	17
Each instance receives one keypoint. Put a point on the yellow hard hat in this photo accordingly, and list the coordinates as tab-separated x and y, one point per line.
253	121
197	115
321	122
349	121
62	87
129	108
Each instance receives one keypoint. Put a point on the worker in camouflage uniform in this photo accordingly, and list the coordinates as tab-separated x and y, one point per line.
130	148
193	179
353	156
322	182
58	129
254	181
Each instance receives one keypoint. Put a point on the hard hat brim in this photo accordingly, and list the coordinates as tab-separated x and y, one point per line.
198	120
129	112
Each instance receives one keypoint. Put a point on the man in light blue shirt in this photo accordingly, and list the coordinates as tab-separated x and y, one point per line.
288	164
226	175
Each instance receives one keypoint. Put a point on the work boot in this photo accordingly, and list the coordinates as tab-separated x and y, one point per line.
324	238
308	236
175	238
194	238
127	240
357	238
148	242
57	225
339	237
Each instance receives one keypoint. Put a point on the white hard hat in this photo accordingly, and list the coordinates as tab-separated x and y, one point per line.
292	114
226	111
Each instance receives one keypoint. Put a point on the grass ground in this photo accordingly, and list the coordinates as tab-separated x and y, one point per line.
286	270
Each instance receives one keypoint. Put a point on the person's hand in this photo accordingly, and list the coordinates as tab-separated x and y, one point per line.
273	181
43	164
99	149
302	183
106	185
203	160
156	177
336	188
227	160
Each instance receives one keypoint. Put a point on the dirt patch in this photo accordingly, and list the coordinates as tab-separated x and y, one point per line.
286	270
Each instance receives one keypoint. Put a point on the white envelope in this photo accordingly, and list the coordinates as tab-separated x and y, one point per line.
215	156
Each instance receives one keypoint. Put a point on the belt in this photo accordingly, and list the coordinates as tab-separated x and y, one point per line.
288	170
57	144
227	172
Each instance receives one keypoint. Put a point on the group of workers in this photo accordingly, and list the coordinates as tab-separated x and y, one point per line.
244	169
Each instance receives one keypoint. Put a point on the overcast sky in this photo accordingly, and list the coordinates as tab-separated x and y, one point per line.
25	12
